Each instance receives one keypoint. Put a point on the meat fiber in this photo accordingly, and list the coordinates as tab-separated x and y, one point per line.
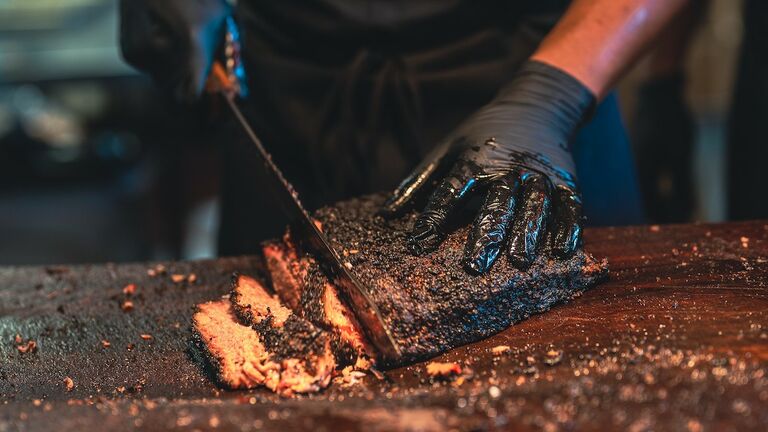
287	271
236	351
290	335
300	279
253	340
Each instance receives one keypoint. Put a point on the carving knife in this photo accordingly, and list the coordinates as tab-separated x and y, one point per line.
305	230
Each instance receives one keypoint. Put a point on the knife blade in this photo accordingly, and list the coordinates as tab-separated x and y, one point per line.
305	230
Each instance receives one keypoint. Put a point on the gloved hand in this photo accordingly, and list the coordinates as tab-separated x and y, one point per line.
175	41
517	149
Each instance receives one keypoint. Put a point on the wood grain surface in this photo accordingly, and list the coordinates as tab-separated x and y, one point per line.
676	339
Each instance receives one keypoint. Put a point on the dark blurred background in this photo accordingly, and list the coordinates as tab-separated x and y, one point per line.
96	166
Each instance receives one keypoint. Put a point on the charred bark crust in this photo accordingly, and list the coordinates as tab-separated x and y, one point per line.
294	338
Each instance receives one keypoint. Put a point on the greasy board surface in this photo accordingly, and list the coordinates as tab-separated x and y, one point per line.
676	339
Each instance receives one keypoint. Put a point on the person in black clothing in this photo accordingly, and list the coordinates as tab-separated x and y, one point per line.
497	102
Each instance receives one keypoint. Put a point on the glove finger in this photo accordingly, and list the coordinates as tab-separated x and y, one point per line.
490	227
414	184
567	222
428	230
529	223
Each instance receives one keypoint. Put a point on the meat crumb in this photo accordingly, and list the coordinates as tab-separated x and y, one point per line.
192	278
655	228
377	373
18	339
127	306
443	370
350	376
501	349
363	363
178	278
129	289
745	242
146	336
130	347
553	357
69	384
105	343
157	270
29	347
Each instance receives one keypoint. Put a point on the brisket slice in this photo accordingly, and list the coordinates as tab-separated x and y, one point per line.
429	302
253	340
287	270
284	334
299	279
290	335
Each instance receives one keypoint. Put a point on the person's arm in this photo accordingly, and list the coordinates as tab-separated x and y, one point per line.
597	40
516	150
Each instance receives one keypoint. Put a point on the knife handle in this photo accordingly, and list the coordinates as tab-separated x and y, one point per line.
219	81
228	78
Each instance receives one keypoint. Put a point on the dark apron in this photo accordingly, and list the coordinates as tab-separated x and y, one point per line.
350	95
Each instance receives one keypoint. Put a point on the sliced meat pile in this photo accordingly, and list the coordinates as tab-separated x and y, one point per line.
295	340
254	341
300	282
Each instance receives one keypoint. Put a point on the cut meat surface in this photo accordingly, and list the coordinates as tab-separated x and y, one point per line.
285	334
341	319
287	271
252	303
236	351
318	299
253	341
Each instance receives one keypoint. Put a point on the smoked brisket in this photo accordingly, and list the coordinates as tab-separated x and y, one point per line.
429	302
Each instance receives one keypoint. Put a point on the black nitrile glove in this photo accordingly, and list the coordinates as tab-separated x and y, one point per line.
516	148
175	41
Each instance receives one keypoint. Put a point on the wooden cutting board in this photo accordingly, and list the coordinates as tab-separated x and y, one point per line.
677	339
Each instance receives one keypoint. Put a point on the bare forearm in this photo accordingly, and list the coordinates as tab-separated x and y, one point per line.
597	40
668	56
